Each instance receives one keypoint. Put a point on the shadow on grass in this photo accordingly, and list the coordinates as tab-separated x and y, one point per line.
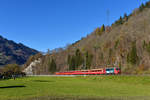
6	87
42	81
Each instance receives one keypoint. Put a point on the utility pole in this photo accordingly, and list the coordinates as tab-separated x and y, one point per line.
108	14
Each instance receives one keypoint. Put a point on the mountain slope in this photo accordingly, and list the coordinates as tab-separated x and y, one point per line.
125	44
11	52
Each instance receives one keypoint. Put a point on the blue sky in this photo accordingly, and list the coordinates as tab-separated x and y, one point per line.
43	24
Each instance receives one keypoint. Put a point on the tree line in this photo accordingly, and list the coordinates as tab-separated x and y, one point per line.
11	71
79	60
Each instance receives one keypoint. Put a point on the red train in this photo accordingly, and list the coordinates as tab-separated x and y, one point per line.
101	71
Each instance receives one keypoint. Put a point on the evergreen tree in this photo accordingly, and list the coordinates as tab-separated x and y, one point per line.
148	47
75	61
120	21
125	17
128	58
142	7
144	44
72	63
100	30
52	66
89	58
78	58
147	5
132	55
103	28
68	59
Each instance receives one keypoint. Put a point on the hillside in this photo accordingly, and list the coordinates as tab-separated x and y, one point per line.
11	52
126	44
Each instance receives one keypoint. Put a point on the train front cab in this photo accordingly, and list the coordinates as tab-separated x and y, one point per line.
109	71
113	71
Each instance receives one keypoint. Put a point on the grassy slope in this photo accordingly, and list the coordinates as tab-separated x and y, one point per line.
104	86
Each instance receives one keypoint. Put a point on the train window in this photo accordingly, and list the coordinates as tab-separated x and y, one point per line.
117	68
110	69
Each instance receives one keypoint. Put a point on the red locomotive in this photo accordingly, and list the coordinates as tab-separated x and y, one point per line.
101	71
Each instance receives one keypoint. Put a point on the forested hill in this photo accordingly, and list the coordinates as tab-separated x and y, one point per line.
11	52
126	43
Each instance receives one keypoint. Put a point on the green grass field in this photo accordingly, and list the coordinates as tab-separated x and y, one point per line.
76	88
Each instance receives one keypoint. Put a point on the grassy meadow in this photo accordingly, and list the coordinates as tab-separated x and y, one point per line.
76	88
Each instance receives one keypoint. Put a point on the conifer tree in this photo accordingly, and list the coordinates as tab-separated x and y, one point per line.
100	30
75	61
132	55
71	62
147	5
68	59
52	66
89	58
78	58
120	20
72	65
103	28
142	7
125	17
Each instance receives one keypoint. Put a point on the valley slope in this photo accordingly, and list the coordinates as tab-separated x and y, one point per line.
11	52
